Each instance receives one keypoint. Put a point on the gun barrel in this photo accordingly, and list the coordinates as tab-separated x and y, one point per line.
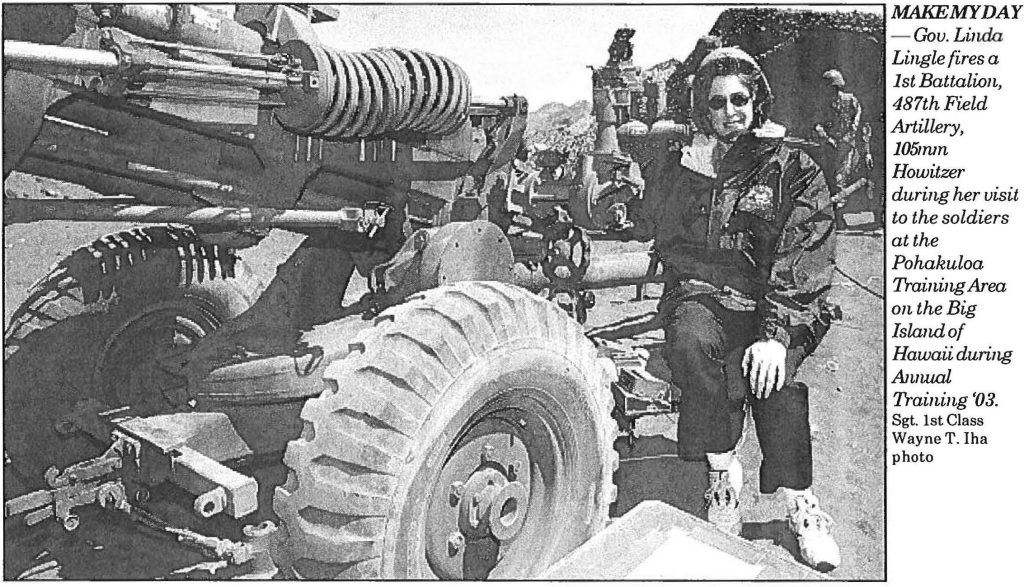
604	272
32	56
21	54
348	219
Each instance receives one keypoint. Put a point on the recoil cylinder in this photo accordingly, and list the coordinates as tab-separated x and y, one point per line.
375	92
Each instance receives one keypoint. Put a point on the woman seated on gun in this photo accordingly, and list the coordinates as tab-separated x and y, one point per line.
747	237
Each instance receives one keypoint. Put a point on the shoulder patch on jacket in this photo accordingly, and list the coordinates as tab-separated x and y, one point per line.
759	200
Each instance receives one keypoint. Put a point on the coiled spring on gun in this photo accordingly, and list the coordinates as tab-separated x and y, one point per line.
375	92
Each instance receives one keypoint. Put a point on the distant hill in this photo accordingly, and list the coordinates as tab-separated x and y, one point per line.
551	123
662	71
569	129
555	115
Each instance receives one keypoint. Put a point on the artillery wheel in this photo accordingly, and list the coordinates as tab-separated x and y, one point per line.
96	326
467	435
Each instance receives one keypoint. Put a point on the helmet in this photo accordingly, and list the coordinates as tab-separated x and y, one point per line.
835	78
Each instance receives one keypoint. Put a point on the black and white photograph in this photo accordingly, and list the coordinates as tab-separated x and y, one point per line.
588	292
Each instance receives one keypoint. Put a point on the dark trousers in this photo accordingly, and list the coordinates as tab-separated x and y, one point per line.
705	343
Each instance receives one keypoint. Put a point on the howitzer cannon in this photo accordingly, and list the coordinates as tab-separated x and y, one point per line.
449	424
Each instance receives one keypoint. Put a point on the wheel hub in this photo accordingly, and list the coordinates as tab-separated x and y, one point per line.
493	505
481	503
132	369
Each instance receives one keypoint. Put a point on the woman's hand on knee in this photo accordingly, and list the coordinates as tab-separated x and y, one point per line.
764	366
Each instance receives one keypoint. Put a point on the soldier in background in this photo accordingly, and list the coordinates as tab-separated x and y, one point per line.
842	132
621	49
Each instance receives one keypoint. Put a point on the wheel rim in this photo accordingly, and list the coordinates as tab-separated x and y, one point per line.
488	478
504	523
132	370
407	414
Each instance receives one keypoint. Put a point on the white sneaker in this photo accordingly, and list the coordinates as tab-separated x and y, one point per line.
722	501
727	462
813	530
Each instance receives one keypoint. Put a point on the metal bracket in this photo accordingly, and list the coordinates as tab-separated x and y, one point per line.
93	481
637	393
256	548
148	451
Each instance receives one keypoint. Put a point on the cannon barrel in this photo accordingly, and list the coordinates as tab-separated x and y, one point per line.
348	219
34	56
605	271
339	94
25	55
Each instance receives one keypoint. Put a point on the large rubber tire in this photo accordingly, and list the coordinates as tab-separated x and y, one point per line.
367	493
89	330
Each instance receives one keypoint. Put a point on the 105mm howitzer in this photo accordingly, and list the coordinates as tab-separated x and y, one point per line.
449	424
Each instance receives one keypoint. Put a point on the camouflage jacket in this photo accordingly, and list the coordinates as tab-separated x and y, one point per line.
758	237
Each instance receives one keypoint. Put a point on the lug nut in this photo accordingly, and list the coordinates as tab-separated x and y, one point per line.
486	453
141	495
455	543
71	522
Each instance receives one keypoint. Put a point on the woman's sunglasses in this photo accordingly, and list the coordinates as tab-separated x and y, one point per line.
738	100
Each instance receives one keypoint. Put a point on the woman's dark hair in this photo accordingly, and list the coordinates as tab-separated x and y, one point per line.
730	61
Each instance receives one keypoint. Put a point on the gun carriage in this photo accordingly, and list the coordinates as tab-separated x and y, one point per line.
450	423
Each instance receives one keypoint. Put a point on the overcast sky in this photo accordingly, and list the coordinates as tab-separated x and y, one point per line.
541	52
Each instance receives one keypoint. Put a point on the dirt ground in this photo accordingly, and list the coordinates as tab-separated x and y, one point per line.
847	421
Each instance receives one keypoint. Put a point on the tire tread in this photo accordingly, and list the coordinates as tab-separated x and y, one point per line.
442	332
87	280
